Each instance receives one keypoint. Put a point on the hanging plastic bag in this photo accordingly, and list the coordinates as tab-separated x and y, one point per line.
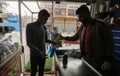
51	51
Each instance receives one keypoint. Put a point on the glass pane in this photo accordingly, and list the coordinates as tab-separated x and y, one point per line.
70	28
71	12
12	7
59	26
32	6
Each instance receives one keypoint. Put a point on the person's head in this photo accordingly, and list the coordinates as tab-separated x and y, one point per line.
43	16
83	13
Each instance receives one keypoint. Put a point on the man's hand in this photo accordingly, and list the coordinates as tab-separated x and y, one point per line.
42	54
61	37
53	42
106	66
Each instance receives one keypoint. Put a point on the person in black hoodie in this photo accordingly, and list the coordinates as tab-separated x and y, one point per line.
36	36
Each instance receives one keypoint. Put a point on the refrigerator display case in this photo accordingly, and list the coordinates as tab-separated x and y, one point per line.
10	51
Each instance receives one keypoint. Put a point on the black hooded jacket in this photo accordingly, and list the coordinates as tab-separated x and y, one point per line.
36	36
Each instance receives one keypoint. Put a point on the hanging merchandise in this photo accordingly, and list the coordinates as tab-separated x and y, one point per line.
113	2
51	51
6	29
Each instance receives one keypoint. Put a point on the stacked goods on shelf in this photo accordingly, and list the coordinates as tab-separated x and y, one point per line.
10	61
6	45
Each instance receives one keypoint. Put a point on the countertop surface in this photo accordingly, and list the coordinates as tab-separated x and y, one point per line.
76	67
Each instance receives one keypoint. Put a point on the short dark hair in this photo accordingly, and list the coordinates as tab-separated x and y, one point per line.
43	12
82	9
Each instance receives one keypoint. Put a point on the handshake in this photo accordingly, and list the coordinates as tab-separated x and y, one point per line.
60	36
57	40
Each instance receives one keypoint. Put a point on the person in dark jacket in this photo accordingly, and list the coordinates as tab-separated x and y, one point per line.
96	41
36	36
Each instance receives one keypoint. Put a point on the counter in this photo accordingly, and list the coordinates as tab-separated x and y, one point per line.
75	66
11	65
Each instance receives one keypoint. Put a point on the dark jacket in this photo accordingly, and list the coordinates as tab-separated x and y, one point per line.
101	41
36	36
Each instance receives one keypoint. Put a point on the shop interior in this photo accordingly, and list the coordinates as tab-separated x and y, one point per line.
16	14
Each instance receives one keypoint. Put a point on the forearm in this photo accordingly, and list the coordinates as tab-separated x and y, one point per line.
74	37
48	41
108	43
71	38
33	47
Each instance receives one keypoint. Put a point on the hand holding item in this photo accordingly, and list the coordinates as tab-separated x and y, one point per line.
54	43
106	66
61	36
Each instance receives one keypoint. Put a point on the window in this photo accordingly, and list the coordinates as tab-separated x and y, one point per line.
71	12
60	12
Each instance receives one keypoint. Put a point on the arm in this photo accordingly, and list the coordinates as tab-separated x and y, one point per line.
75	36
29	39
109	44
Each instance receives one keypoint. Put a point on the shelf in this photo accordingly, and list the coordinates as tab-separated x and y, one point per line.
112	13
11	63
8	58
2	62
